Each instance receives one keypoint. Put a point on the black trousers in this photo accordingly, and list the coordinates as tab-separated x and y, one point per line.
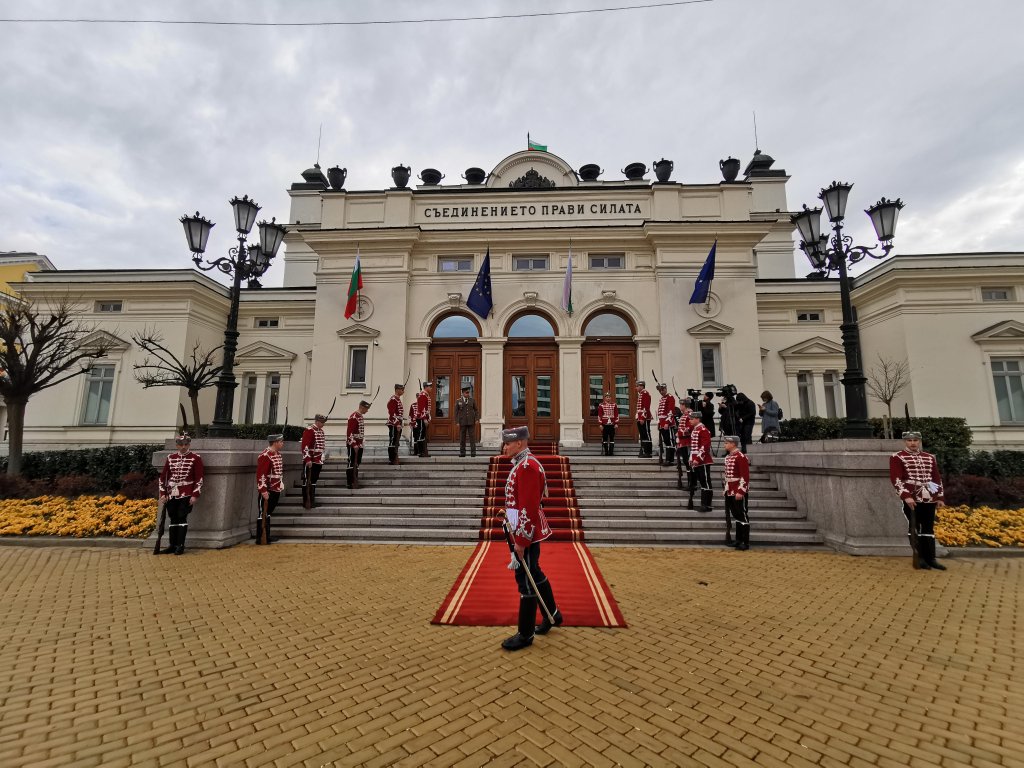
665	440
646	447
702	475
467	432
419	436
746	435
925	517
608	438
265	512
310	474
683	465
177	511
532	557
736	506
394	436
355	456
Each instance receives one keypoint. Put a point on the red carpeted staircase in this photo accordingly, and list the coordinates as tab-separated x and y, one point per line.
560	506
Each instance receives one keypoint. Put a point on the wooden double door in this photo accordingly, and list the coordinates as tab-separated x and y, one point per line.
531	387
609	367
452	367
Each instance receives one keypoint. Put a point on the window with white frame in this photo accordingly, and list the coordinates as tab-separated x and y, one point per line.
109	306
833	394
529	263
608	261
268	322
99	389
249	398
810	316
710	365
356	377
805	393
455	264
997	294
1008	377
273	399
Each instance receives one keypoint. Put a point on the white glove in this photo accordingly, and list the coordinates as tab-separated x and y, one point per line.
512	515
932	487
515	562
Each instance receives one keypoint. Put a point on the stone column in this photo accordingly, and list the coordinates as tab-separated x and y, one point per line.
492	362
647	359
570	395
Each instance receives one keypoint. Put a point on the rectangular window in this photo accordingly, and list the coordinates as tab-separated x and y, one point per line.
109	306
710	365
997	294
529	263
805	391
1008	377
442	396
249	393
99	386
267	322
518	391
273	396
596	387
808	317
833	394
455	264
357	367
617	261
543	395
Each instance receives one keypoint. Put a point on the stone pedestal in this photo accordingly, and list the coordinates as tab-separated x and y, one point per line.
843	487
225	514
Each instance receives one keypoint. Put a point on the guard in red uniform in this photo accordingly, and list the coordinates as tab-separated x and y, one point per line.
701	459
524	489
181	482
413	412
915	476
666	425
314	451
737	488
269	485
395	412
683	450
423	411
354	436
643	419
608	416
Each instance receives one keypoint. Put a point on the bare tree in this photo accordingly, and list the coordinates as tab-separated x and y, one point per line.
195	372
42	346
886	379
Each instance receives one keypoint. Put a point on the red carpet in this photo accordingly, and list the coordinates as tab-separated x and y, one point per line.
485	592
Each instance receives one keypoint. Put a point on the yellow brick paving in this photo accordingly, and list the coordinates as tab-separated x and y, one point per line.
324	656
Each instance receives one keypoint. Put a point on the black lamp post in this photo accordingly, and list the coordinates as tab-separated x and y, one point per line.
248	262
826	254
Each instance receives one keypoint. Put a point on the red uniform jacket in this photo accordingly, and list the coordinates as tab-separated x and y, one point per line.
423	406
608	413
314	445
182	475
412	412
700	446
916	476
666	412
683	433
525	487
270	471
395	411
737	475
643	405
354	434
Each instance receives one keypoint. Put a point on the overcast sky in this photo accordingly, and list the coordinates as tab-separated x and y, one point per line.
108	133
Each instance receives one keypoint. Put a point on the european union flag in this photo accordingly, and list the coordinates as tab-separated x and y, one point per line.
480	300
707	273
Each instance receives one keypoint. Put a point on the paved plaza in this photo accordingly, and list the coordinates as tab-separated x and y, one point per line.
323	655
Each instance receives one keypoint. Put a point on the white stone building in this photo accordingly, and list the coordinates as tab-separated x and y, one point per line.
636	246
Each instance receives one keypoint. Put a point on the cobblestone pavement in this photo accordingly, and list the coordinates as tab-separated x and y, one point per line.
322	655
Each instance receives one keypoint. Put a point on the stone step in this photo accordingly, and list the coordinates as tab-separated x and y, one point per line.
363	534
677	524
680	513
383	511
590	503
696	537
370	521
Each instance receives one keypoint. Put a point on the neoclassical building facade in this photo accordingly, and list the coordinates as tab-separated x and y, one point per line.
636	248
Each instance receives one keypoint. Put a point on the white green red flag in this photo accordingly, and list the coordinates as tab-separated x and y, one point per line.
534	146
355	285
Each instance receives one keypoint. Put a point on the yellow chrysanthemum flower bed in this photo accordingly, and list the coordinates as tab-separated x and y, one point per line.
981	526
84	516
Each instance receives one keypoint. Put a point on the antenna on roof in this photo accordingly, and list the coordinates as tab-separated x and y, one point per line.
756	145
318	138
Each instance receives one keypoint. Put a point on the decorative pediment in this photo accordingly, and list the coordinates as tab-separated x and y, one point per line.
532	180
262	352
1007	330
106	340
532	170
815	347
710	329
358	331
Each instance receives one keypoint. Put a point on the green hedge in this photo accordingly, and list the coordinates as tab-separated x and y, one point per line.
107	466
996	465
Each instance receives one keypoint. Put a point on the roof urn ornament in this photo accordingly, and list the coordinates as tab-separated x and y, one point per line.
475	175
337	176
663	169
431	176
400	175
590	172
635	171
730	168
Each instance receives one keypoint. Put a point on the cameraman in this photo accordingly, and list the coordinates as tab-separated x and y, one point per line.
707	412
746	414
727	415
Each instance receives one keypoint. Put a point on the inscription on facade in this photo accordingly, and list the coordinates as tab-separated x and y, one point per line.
532	210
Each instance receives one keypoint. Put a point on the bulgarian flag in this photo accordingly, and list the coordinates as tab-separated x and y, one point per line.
533	146
355	285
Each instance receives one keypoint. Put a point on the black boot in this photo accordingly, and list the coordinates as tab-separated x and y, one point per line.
392	455
179	548
306	503
728	531
350	478
670	457
705	500
689	504
527	617
928	553
172	540
611	448
549	600
312	496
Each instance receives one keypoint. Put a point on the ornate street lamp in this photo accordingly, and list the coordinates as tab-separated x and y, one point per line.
242	262
826	254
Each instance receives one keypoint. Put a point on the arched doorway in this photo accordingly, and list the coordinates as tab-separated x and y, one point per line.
531	375
453	363
609	365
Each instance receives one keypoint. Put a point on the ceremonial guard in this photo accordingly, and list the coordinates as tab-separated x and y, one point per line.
524	489
666	424
608	416
423	413
395	413
269	485
414	448
701	460
314	451
466	416
354	436
915	476
643	419
181	482
737	487
683	451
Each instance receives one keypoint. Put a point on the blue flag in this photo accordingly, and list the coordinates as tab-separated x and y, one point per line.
480	300
707	273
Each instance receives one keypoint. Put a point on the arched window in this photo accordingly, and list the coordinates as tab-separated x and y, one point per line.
531	326
456	327
607	324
